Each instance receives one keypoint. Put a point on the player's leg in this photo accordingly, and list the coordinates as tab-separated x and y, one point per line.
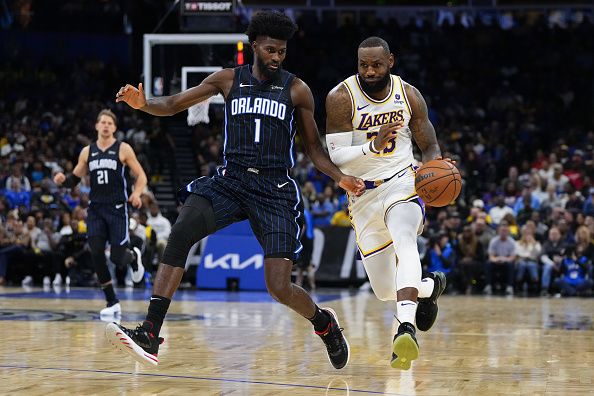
196	220
122	254
403	221
97	239
273	213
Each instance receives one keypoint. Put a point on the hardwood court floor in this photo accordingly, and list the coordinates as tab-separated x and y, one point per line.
242	343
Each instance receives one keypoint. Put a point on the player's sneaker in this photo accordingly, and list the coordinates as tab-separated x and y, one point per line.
111	311
142	345
138	273
336	344
405	348
427	308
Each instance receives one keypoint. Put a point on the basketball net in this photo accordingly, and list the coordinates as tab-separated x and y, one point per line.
199	113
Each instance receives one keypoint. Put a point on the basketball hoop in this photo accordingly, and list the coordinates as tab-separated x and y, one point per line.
199	113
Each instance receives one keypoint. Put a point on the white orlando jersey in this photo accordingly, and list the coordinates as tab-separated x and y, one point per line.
368	115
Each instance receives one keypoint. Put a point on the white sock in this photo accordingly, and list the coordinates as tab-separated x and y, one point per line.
406	311
426	287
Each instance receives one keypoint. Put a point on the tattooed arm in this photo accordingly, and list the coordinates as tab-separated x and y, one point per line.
422	130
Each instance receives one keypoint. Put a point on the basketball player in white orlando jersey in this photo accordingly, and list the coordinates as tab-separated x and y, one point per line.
372	118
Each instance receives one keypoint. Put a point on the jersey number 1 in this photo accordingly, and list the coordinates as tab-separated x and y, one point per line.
257	133
102	177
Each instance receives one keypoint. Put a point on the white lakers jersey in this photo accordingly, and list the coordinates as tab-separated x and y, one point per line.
368	115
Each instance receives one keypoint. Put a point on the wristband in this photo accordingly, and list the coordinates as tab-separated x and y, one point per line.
71	181
372	148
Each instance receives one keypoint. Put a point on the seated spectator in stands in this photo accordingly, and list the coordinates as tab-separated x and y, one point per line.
17	175
584	244
45	246
442	257
36	172
575	276
483	232
528	251
514	230
502	258
552	255
16	197
470	258
17	254
77	264
558	180
162	227
540	228
342	218
498	211
324	207
525	206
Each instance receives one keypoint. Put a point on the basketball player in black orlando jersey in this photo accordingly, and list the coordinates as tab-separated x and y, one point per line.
107	218
263	105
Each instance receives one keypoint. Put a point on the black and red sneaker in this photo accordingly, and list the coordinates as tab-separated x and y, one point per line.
142	345
336	343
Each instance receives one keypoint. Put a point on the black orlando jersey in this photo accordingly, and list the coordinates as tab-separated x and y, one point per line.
108	183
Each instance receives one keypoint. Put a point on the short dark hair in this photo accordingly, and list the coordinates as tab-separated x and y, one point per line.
273	24
374	41
109	113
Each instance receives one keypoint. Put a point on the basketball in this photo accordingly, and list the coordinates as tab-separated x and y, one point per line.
438	182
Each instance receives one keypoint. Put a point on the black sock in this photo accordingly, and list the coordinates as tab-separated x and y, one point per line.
320	320
110	296
156	314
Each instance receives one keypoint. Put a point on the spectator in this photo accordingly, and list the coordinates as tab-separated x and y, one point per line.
502	257
558	180
498	211
574	277
553	250
442	257
528	252
162	227
342	218
471	255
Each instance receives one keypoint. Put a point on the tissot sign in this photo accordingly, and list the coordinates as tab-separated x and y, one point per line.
207	7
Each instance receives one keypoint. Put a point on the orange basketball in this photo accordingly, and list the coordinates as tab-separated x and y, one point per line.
438	182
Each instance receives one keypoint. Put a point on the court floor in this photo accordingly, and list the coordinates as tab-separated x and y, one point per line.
219	343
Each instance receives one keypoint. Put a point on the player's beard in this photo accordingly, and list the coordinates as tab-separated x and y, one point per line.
376	86
268	74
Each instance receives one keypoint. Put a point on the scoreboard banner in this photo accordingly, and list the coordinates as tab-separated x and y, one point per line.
207	7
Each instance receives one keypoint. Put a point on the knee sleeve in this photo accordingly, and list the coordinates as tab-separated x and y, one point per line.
381	271
403	222
97	245
195	221
121	256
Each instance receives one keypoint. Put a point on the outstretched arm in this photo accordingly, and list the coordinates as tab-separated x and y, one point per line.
306	124
422	130
218	82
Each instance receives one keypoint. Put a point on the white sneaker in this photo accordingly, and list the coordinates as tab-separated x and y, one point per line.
488	290
28	281
57	280
67	281
509	291
114	310
46	281
139	273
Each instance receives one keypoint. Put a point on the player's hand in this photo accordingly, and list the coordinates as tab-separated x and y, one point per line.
453	162
134	97
386	133
59	178
354	185
135	200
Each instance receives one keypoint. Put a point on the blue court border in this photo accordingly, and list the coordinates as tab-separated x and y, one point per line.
214	379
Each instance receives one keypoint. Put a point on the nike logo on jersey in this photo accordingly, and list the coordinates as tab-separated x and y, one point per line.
282	185
362	107
119	206
111	152
275	87
94	154
242	85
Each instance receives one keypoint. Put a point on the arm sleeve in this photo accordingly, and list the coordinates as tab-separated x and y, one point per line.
341	150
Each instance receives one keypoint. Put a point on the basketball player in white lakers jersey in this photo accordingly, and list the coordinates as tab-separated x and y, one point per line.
372	118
